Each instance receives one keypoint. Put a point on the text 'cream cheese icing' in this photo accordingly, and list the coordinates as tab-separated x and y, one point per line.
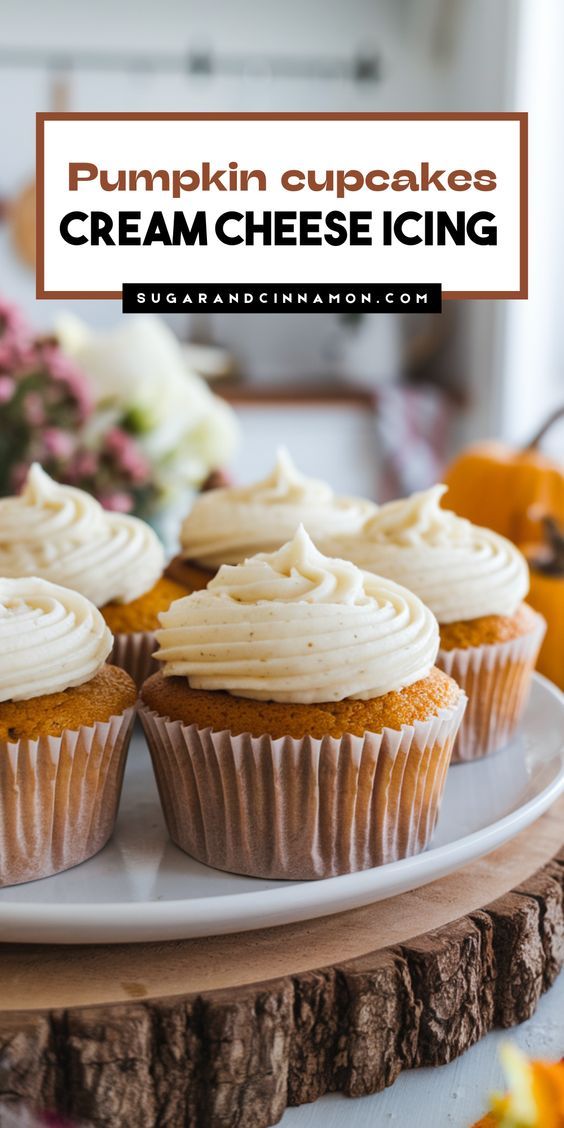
297	626
227	525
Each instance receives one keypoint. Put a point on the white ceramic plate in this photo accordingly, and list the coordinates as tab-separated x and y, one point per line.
141	887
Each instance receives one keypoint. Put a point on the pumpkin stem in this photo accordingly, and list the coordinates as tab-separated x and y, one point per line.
539	436
551	560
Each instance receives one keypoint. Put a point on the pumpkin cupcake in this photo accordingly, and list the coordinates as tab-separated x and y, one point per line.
227	525
474	581
65	723
298	728
63	534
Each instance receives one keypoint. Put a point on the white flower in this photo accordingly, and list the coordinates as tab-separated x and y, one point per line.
138	371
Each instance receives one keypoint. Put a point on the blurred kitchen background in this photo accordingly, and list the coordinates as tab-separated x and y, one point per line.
377	404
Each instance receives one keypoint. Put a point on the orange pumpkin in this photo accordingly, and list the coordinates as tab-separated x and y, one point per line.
546	594
506	489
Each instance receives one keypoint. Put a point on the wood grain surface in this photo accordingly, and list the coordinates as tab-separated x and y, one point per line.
228	1031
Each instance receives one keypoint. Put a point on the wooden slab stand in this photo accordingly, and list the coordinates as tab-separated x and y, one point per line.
226	1032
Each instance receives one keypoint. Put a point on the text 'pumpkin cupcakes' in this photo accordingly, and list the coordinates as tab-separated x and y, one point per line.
227	525
474	581
64	535
298	729
65	723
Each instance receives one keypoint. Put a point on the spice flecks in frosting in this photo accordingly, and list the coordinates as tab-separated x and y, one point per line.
419	518
64	535
297	626
460	570
285	484
296	572
51	638
227	525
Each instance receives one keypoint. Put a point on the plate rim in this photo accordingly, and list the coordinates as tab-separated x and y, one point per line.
288	902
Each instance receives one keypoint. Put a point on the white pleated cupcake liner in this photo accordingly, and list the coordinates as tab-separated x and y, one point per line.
301	809
134	653
59	797
496	679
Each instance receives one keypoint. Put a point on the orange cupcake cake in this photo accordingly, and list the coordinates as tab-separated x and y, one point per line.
107	694
228	524
65	723
299	728
215	709
64	535
142	614
474	581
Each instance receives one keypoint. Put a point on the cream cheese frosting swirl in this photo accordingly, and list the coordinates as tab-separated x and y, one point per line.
227	525
51	638
297	626
64	535
461	571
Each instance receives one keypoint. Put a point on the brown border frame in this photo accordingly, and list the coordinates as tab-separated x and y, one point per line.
448	295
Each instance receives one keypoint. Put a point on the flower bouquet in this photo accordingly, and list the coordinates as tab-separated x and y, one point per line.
116	414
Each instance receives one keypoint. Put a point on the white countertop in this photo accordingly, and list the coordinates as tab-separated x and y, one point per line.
454	1095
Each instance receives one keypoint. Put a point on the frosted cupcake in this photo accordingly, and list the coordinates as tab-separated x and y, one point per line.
298	728
65	723
475	582
227	525
64	535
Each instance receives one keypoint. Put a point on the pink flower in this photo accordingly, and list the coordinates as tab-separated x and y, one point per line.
12	320
57	443
33	409
129	458
14	354
15	337
50	401
84	465
7	388
64	371
18	475
119	501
